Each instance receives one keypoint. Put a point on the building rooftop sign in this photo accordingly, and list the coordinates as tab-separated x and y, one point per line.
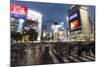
18	11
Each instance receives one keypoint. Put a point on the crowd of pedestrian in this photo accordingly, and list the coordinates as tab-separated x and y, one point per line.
25	35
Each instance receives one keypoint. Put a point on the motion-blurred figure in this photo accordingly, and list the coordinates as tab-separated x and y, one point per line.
32	34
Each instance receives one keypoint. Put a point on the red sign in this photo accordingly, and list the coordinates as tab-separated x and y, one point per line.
18	10
74	24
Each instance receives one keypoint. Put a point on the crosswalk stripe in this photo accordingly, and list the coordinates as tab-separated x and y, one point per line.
93	56
53	57
84	59
76	56
73	58
89	57
63	58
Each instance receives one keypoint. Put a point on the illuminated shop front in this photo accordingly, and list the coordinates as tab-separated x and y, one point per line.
23	18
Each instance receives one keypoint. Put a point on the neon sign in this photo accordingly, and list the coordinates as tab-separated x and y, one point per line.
18	11
73	16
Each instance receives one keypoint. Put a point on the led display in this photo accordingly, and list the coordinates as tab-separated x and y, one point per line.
73	16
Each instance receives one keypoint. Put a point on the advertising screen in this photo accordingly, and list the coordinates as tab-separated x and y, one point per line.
74	24
18	11
73	16
74	21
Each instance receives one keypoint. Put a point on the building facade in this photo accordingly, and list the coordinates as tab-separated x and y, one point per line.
79	24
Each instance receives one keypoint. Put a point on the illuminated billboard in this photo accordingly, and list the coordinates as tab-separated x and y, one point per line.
74	24
18	11
73	16
74	20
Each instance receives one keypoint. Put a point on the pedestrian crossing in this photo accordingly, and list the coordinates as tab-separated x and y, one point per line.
57	58
50	56
63	58
89	57
53	57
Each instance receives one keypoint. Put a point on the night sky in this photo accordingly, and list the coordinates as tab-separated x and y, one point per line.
52	11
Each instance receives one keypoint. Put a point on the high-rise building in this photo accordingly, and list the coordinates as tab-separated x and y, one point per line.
80	24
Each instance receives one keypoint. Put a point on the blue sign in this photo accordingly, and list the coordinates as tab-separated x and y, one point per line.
18	16
73	16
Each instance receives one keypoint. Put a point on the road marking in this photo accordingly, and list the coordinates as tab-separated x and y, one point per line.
63	58
82	58
89	57
74	59
53	57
